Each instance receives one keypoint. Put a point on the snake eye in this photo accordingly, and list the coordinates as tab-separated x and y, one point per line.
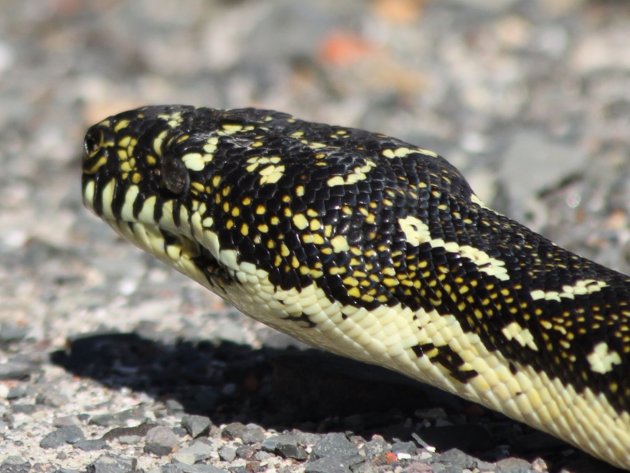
175	176
91	142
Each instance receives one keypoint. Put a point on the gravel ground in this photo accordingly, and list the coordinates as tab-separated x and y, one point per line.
110	362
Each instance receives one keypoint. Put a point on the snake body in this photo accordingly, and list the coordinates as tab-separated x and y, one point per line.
375	249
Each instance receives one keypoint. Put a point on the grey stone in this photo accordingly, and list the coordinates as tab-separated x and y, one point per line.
405	447
17	392
89	445
200	468
119	418
197	451
532	150
285	445
61	436
196	425
328	465
227	453
186	458
52	398
160	441
253	434
66	421
261	456
233	430
11	332
15	464
376	447
112	464
171	468
23	408
245	452
514	465
128	434
455	458
334	445
173	406
16	370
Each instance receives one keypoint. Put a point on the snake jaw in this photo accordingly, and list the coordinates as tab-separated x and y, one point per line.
171	242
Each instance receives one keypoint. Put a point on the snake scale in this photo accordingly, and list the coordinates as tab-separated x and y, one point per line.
375	249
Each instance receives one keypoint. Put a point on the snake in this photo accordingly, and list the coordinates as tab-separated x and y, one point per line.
375	249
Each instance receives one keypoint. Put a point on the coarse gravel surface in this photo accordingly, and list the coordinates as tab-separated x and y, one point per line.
110	362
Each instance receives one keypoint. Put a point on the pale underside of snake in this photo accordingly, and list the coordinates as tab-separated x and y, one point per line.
375	249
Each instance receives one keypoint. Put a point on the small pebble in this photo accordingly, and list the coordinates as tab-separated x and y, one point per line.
173	406
514	465
233	431
15	464
227	453
89	445
253	434
12	333
66	421
285	445
17	392
334	445
62	436
196	425
328	465
405	447
160	441
52	398
113	464
23	408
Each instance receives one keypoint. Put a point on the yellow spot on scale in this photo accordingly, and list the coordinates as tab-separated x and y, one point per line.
602	359
404	151
417	233
271	174
476	200
174	120
582	287
300	221
95	167
359	173
211	144
159	141
124	141
121	124
339	244
514	331
196	161
230	128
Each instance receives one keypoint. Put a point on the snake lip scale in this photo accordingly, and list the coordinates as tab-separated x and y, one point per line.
376	249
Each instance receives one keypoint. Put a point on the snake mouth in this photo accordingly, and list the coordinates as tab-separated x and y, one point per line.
177	250
171	242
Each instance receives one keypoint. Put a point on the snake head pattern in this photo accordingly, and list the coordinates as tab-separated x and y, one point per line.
376	249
